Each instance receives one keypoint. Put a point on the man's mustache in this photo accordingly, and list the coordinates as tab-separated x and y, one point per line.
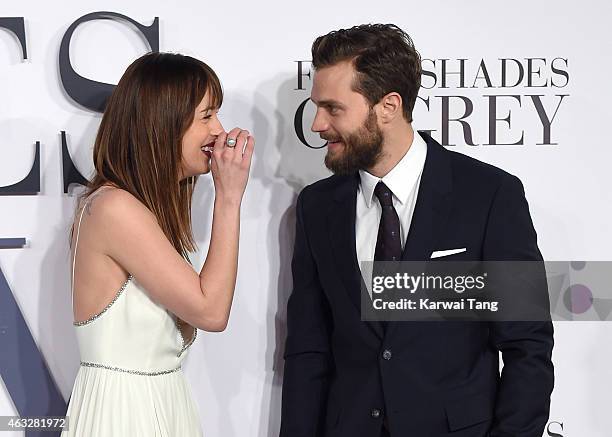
330	138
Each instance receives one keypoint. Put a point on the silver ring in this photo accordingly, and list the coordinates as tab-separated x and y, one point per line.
231	142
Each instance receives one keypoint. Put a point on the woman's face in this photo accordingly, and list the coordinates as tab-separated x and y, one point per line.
199	140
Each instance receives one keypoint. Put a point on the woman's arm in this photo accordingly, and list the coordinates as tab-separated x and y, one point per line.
133	238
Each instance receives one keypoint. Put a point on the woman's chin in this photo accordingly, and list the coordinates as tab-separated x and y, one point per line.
201	171
196	172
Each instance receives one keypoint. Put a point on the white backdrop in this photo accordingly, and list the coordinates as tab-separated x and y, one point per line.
235	376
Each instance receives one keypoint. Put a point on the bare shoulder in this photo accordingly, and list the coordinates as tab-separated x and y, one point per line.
111	205
118	224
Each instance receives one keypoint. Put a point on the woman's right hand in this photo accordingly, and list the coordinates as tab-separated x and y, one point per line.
230	165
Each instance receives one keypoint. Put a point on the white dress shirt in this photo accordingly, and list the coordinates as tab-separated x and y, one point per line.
403	180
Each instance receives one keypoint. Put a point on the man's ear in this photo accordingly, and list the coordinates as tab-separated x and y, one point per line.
390	107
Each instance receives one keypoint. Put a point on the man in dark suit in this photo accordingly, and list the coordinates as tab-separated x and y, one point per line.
397	194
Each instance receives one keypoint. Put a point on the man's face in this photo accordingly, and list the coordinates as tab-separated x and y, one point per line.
345	120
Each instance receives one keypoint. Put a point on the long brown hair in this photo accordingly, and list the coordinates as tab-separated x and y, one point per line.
138	147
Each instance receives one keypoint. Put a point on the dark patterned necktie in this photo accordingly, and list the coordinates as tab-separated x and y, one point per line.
388	243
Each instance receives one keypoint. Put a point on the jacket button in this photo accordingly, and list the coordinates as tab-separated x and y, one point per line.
375	413
387	354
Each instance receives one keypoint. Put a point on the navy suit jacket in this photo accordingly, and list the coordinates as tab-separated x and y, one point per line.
442	378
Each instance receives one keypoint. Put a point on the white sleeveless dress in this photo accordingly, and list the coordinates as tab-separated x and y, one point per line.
130	381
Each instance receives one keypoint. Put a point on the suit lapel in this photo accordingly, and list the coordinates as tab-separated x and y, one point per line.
341	220
428	221
432	206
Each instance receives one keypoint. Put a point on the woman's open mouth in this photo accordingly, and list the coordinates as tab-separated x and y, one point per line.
208	148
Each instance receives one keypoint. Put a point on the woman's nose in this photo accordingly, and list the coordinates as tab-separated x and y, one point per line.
218	129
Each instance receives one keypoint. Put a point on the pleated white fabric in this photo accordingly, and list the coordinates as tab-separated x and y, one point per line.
130	381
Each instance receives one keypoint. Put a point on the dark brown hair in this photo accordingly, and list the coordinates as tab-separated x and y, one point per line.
383	56
138	147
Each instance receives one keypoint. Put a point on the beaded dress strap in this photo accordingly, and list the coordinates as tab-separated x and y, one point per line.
76	243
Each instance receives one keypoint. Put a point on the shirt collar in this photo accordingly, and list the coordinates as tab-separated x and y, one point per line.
402	178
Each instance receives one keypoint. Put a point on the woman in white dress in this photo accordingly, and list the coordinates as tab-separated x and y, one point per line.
137	301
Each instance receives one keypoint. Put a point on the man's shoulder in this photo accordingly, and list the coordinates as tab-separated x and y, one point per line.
471	171
470	177
468	169
324	189
467	166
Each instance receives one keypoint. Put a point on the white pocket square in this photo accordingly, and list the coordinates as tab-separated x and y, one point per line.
441	253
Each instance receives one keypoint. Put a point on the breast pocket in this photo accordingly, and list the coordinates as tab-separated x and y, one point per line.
449	253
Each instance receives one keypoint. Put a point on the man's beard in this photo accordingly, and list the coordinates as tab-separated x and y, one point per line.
361	151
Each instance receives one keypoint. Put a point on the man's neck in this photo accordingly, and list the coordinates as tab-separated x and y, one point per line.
395	145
